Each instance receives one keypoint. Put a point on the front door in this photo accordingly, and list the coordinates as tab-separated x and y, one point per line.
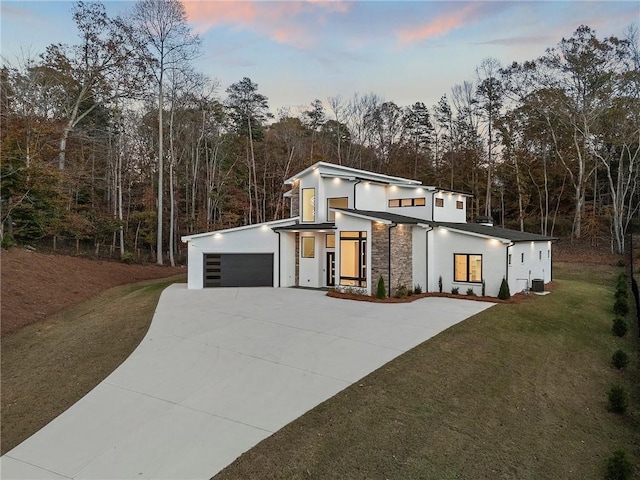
331	269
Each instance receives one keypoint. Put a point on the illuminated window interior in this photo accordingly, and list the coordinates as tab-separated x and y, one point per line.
353	259
439	202
467	268
308	204
337	202
308	247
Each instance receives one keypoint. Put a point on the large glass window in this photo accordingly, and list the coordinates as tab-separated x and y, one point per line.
439	202
336	202
467	268
308	204
308	247
353	259
407	202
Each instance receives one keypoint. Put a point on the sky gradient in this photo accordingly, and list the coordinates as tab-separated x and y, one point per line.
297	51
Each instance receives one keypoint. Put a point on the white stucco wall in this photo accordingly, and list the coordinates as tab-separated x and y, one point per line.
529	261
309	273
333	187
448	242
419	257
449	212
395	192
370	196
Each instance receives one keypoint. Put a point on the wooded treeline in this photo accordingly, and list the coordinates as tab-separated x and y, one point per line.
118	141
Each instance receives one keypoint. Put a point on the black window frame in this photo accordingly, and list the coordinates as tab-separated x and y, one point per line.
361	238
468	255
438	200
413	202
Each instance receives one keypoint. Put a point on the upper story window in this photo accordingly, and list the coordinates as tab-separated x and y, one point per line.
459	205
308	213
336	202
407	202
439	202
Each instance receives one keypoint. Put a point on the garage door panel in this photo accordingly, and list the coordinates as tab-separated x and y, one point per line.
239	270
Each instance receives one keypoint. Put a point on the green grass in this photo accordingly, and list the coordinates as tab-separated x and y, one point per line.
518	391
48	366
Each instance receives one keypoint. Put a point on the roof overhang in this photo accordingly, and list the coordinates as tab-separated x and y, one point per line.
309	227
271	224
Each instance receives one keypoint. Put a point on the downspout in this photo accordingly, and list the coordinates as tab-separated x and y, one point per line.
506	261
426	276
393	225
433	205
354	193
279	261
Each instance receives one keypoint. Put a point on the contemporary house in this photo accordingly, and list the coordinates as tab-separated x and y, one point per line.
349	227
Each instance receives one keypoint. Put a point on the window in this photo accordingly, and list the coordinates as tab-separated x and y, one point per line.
308	248
467	268
459	205
337	202
308	204
331	240
353	259
522	258
548	253
439	202
407	202
540	255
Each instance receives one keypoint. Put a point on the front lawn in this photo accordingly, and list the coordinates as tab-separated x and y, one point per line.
518	391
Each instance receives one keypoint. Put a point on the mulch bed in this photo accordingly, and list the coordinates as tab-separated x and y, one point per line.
517	298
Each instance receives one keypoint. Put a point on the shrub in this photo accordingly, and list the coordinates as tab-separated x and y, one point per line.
621	306
417	289
127	257
440	284
470	291
483	288
7	241
381	292
455	290
619	467
401	291
618	399
504	293
619	327
620	294
622	282
620	359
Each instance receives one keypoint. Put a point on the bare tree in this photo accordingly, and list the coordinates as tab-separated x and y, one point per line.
163	28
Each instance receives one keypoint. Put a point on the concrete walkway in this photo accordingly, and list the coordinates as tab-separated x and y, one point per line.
219	371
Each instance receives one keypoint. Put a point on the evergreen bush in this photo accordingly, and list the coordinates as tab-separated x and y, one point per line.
440	284
618	399
620	359
417	289
470	291
619	467
401	291
619	327
7	241
621	306
455	290
620	294
381	292
504	293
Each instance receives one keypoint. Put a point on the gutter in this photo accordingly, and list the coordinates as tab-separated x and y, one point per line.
393	225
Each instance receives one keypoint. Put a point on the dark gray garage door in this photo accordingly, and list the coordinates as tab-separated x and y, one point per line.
238	270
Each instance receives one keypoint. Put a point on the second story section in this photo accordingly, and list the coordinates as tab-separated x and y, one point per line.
322	187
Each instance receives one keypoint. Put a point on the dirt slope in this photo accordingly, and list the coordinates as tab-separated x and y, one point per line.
34	285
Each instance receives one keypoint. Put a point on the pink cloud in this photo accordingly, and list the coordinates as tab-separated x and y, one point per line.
281	21
442	24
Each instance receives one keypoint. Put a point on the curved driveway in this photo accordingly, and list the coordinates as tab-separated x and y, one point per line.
218	371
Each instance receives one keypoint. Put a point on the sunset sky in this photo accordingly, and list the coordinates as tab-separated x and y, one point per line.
296	51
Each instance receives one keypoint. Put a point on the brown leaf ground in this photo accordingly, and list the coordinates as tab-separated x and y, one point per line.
34	286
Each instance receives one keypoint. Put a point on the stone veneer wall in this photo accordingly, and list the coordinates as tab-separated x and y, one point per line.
401	256
379	261
295	200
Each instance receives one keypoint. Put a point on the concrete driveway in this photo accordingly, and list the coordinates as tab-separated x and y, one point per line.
219	371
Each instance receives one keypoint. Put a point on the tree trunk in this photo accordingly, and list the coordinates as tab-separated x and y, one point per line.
160	169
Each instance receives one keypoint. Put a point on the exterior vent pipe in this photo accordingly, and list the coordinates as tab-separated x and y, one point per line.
487	221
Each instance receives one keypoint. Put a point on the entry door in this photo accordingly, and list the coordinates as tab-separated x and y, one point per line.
331	269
